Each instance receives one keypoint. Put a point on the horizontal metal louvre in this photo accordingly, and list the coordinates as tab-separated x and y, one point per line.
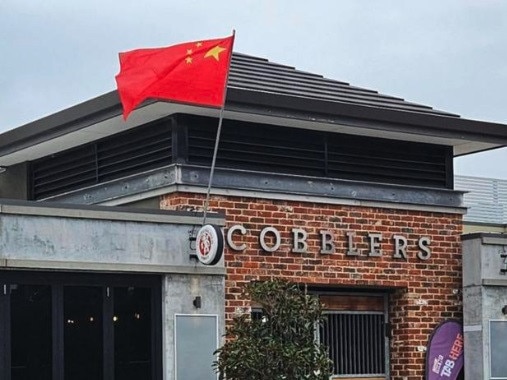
68	170
247	146
131	152
356	343
380	160
134	153
315	153
258	147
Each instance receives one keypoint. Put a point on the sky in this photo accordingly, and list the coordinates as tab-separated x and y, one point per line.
448	54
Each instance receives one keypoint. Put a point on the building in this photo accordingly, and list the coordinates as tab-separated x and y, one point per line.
486	202
340	188
484	276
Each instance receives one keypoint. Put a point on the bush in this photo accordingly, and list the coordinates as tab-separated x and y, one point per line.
281	345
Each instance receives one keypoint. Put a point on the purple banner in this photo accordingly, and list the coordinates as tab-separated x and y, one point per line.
444	356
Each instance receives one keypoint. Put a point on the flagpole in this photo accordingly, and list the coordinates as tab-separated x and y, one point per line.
215	151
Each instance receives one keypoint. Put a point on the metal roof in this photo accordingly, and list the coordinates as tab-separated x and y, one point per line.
486	199
266	93
259	74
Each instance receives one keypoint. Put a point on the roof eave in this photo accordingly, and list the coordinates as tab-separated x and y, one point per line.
386	118
60	123
108	106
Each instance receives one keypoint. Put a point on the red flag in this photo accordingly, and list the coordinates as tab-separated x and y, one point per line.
192	72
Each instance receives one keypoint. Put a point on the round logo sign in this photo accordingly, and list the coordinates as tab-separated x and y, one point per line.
209	244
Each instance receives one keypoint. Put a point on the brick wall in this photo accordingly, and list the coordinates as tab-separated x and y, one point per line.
422	293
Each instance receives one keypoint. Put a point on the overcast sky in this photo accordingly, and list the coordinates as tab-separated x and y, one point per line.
448	54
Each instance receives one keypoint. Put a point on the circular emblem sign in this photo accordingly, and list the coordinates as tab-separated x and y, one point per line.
209	244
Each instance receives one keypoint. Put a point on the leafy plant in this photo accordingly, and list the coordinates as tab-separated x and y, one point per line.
279	345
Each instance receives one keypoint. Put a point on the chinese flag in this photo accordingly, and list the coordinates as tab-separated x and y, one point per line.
192	72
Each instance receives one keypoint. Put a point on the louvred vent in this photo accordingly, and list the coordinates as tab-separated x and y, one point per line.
314	153
247	146
131	152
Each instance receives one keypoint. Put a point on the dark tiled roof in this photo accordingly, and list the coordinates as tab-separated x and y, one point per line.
260	75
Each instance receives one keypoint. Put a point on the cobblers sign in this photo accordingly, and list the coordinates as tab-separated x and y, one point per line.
270	241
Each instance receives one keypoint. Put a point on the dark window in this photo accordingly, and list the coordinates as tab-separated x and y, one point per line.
31	343
78	327
132	333
83	332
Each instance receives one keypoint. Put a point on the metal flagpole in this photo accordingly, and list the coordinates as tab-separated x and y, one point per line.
220	118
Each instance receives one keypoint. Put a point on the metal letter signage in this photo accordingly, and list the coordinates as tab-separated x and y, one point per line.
270	241
262	239
242	231
209	244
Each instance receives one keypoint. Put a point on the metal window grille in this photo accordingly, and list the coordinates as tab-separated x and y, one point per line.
356	342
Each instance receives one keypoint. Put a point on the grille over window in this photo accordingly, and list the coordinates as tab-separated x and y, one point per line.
356	343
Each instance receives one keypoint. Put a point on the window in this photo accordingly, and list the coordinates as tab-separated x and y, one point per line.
56	326
354	330
195	336
356	343
498	348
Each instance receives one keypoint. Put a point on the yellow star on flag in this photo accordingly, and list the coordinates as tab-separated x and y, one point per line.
178	73
214	52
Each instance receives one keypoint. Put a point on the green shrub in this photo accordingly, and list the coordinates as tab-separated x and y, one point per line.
281	345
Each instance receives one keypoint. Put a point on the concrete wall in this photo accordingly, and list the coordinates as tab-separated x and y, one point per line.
484	296
178	293
99	238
